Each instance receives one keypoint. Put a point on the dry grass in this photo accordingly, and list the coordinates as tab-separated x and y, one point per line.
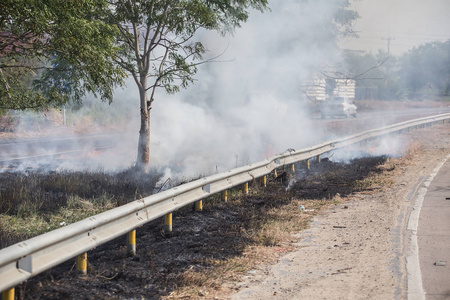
34	203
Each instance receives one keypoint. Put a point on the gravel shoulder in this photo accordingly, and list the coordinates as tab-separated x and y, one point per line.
355	250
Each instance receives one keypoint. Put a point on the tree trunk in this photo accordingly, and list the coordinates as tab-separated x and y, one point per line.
143	155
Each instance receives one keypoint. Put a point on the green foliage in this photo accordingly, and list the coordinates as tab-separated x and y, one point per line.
344	18
156	37
376	76
16	84
66	42
425	70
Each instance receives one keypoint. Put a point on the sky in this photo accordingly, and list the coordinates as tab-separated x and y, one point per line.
407	23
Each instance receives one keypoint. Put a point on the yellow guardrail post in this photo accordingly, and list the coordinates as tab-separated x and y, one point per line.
168	222
318	158
8	294
82	264
131	246
199	205
308	164
264	181
275	173
245	188
293	168
225	195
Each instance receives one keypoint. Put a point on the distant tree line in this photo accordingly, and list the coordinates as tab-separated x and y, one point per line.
421	73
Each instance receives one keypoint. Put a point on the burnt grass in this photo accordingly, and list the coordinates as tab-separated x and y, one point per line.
199	240
24	194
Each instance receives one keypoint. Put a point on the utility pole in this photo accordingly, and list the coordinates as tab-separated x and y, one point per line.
388	39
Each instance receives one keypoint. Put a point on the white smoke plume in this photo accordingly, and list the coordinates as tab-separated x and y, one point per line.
245	106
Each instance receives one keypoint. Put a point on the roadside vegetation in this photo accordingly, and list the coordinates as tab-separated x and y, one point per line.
32	203
419	74
208	253
224	243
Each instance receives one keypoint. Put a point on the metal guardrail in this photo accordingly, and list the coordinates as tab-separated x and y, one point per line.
28	258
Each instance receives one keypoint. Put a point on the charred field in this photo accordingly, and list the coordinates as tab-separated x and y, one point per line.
205	249
34	202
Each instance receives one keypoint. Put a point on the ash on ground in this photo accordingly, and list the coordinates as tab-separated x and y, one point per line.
219	233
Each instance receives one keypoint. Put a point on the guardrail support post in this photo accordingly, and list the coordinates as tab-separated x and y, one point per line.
168	222
225	195
318	158
264	181
275	173
8	294
293	168
245	188
82	264
308	164
199	205
131	246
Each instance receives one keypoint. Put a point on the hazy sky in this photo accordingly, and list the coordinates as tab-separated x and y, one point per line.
407	22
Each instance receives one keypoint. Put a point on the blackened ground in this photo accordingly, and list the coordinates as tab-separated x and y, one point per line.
199	240
33	193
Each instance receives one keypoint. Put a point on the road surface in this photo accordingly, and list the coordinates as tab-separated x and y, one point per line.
433	236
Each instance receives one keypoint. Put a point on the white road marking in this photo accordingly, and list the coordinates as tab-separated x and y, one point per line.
415	289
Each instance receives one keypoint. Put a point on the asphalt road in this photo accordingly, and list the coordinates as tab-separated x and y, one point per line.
433	236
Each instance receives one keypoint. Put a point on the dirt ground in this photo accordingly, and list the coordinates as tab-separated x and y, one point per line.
352	250
355	250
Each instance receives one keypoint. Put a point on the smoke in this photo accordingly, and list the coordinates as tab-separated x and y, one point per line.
387	145
245	106
97	137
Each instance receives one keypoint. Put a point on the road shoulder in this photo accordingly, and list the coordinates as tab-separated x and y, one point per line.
355	250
